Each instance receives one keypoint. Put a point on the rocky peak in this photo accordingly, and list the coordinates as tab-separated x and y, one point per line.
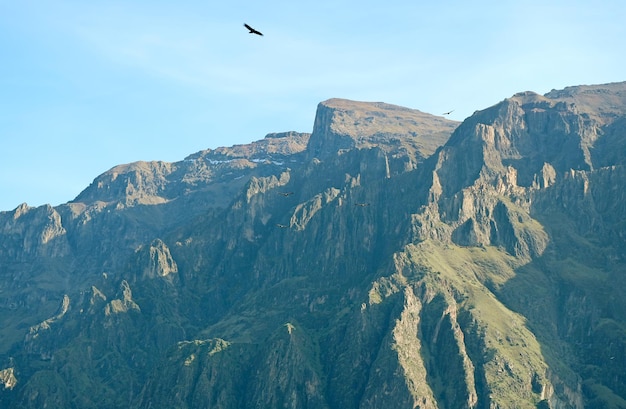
484	177
273	146
131	184
529	130
407	137
33	231
604	103
210	170
401	132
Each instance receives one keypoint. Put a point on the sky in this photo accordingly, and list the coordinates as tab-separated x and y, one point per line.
87	85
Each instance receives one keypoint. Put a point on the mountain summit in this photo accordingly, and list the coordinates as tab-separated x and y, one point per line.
391	258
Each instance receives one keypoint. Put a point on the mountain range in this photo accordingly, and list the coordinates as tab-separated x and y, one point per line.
391	258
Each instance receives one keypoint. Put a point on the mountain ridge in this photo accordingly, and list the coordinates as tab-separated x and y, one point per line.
375	262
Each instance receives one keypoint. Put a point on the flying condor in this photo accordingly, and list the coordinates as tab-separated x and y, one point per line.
252	31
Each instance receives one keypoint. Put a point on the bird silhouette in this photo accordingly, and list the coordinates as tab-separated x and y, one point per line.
285	193
448	113
362	204
282	226
252	31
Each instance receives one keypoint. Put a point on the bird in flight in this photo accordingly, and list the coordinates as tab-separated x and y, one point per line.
252	31
282	226
285	193
448	113
362	204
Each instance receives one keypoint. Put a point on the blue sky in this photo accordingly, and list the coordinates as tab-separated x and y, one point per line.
87	85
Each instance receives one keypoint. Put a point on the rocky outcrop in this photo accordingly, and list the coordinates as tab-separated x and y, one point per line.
7	377
156	260
407	136
32	232
123	304
209	173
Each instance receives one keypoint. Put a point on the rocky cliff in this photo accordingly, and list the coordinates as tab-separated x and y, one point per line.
389	259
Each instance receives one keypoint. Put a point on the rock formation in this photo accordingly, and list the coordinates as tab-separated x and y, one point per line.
391	258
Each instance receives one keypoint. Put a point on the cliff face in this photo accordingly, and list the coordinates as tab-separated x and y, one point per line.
406	136
389	259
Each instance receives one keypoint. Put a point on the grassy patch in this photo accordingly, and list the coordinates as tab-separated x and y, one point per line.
511	359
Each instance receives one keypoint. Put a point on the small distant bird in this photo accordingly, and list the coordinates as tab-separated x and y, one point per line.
252	31
362	204
448	113
282	226
285	193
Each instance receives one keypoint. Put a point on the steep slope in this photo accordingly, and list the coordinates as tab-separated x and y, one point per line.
373	268
47	252
107	241
539	183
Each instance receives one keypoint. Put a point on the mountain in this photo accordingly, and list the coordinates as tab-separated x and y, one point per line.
391	258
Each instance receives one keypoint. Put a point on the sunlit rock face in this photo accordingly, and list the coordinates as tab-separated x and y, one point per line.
406	136
391	258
